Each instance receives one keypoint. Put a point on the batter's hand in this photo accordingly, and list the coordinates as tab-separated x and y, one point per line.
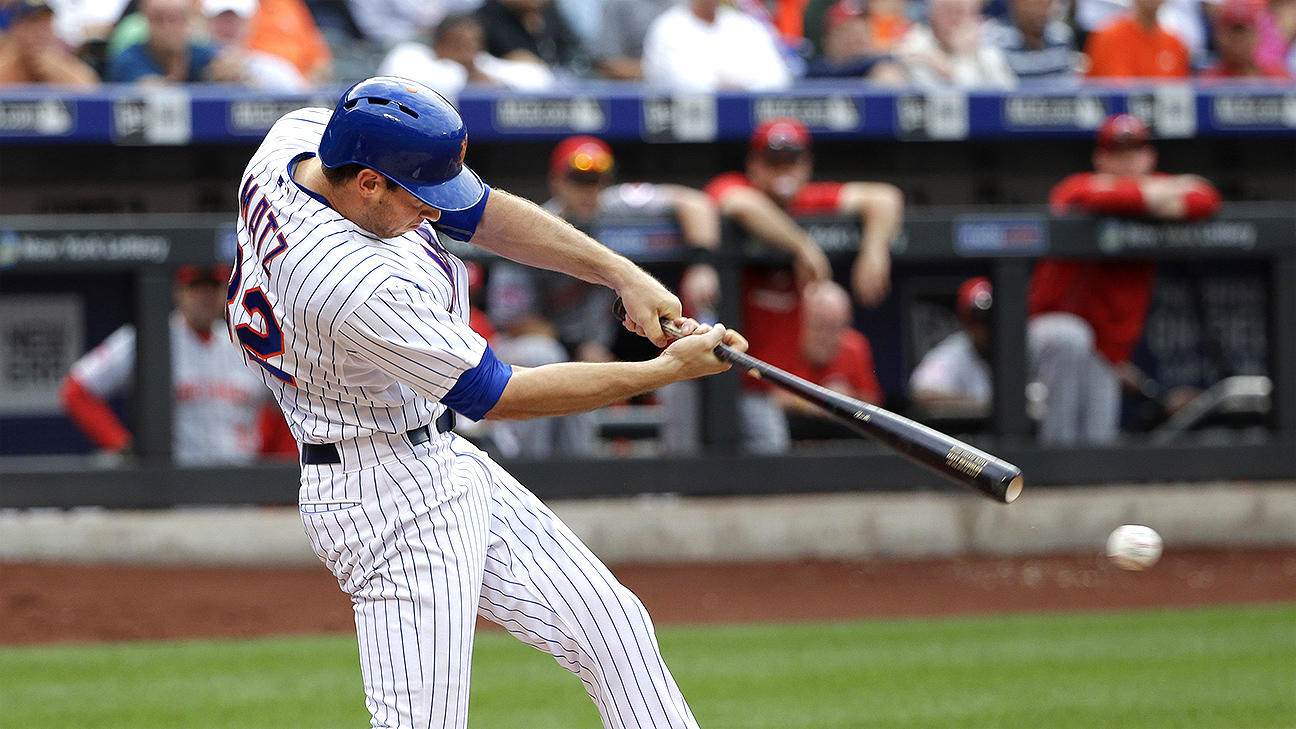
646	304
695	353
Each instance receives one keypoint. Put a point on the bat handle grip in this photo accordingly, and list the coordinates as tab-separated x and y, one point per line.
723	352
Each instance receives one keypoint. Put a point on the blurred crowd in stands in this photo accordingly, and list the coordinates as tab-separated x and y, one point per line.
697	45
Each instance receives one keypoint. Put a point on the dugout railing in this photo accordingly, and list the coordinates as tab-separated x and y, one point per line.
1000	242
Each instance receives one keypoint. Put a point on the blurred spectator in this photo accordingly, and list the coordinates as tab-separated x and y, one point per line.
532	31
706	45
950	51
830	353
1188	20
171	54
285	28
388	22
223	412
458	58
953	378
228	23
545	316
1235	45
1087	315
1136	46
849	49
617	50
1038	44
888	22
79	22
1276	27
30	52
583	17
776	187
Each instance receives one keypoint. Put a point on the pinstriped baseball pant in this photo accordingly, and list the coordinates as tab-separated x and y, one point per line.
427	540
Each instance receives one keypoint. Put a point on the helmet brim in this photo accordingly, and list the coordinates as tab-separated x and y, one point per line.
458	193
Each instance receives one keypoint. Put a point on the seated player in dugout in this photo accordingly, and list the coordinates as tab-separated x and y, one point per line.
223	413
1087	315
953	378
831	353
545	316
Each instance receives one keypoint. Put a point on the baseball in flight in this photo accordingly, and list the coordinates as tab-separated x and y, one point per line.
1134	547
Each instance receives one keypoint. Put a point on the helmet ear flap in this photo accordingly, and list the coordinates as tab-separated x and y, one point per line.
408	133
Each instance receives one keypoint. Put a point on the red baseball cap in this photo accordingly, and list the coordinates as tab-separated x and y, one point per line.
1121	131
975	297
581	157
1234	13
780	139
189	274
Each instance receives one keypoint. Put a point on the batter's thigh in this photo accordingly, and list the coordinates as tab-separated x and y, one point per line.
546	588
409	548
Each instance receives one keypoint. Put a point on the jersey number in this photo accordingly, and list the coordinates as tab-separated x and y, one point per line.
262	345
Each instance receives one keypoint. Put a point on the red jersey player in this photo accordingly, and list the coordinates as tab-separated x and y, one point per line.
1087	315
764	201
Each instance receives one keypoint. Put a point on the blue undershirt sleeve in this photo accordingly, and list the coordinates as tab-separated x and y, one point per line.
479	388
462	224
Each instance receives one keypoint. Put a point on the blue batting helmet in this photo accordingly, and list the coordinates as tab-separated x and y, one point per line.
407	132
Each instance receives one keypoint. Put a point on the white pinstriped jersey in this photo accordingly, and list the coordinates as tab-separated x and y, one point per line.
325	310
361	339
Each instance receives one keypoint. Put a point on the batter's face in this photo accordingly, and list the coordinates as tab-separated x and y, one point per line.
389	210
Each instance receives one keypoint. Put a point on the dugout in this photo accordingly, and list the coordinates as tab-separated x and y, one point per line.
105	193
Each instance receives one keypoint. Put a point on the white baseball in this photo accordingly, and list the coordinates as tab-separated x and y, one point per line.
1134	547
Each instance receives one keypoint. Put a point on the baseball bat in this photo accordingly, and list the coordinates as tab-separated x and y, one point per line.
947	456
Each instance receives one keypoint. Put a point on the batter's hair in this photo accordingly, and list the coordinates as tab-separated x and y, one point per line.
343	174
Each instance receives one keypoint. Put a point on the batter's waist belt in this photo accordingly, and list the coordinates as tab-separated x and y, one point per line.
323	454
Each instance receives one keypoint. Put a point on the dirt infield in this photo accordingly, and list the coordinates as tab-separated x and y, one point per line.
52	603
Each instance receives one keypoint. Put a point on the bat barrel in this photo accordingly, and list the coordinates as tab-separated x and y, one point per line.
943	454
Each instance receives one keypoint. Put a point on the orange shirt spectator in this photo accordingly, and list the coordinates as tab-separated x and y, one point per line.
285	28
1134	46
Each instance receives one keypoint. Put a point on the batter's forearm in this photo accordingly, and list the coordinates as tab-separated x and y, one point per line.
566	388
522	231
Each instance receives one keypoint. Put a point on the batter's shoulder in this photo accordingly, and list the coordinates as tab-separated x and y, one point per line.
330	274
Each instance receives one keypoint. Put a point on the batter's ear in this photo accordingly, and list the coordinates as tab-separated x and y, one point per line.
369	182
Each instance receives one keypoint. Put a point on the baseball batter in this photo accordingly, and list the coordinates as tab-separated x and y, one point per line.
349	308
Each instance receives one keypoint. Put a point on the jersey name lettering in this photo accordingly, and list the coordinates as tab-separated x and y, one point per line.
261	223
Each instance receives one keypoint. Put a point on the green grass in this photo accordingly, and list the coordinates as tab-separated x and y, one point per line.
1216	668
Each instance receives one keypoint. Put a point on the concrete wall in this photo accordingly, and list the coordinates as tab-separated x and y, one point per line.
851	526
